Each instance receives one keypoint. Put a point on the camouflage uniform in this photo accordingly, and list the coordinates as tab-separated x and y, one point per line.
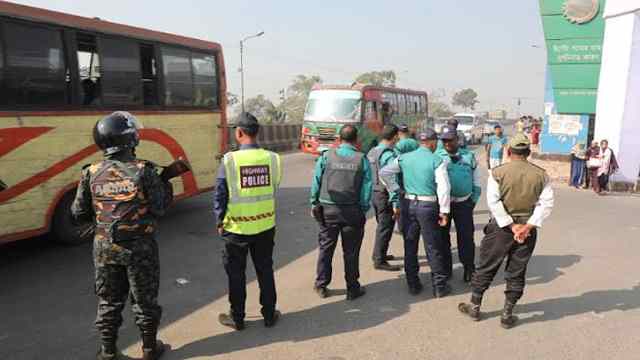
125	256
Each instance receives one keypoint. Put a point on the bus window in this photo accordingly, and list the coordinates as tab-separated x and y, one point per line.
120	72
148	65
88	69
35	66
205	82
371	112
177	76
402	104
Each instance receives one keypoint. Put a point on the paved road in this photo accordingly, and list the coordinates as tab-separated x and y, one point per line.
583	301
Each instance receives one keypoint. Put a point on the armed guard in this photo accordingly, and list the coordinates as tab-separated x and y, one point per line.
520	198
124	196
379	157
426	183
465	193
340	198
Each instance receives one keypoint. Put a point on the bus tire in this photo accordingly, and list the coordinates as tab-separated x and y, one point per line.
63	229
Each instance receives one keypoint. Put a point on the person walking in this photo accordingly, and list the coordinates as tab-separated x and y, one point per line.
405	145
123	196
520	198
594	163
426	183
578	161
340	197
245	210
465	193
609	166
379	157
495	146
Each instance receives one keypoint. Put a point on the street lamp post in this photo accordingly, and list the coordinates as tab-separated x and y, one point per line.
242	64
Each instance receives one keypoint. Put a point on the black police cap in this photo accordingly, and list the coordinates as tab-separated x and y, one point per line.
428	134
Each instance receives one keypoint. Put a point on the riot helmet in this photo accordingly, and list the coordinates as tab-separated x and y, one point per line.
117	132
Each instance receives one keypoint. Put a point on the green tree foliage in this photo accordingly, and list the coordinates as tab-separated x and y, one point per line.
378	78
437	106
297	95
467	98
260	107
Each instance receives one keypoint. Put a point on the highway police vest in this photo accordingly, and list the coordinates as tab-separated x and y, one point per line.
374	159
342	179
252	179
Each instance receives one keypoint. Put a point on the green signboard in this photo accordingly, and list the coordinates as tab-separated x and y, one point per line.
574	51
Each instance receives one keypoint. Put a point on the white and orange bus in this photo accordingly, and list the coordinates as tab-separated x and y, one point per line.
60	73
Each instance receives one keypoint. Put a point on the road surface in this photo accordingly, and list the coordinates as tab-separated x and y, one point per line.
582	302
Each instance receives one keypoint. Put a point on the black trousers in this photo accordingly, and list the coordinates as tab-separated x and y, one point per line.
422	220
462	216
498	245
384	230
348	223
234	257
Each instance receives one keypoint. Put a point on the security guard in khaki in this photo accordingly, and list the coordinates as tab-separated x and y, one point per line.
245	208
520	198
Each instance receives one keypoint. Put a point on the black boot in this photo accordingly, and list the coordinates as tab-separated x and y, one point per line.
508	320
468	273
107	353
152	350
229	321
472	310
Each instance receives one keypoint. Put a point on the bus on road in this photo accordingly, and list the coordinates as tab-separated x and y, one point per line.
365	106
60	73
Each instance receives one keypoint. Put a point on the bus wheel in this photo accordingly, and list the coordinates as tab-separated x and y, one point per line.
64	231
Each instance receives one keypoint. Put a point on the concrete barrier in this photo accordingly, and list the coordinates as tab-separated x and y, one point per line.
278	138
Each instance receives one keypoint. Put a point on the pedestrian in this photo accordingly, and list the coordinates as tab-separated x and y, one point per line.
406	142
245	210
578	161
520	198
594	163
379	157
427	190
464	178
495	146
123	196
340	197
609	166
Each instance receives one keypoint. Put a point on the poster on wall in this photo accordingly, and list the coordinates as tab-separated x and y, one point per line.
569	125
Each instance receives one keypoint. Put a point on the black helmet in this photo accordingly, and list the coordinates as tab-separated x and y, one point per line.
117	132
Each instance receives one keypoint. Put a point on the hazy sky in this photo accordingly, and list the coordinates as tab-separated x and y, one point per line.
431	44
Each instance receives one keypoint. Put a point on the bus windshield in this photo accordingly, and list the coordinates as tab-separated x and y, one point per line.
333	106
464	120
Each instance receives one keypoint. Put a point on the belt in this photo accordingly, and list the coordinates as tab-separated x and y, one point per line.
460	199
421	197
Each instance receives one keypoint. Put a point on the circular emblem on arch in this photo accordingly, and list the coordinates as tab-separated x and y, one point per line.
581	11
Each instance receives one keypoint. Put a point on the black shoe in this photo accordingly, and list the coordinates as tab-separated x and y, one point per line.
322	291
442	292
271	321
471	310
155	353
389	258
385	266
468	274
103	355
507	319
356	293
227	320
415	289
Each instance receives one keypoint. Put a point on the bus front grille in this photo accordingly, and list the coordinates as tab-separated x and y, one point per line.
326	133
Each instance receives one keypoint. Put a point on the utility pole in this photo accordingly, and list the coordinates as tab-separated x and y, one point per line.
242	65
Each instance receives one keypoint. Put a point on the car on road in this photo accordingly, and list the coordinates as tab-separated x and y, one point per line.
471	126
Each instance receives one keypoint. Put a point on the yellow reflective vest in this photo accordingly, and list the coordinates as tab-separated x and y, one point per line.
253	176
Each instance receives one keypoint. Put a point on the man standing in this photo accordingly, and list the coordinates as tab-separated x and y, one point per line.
520	198
495	147
427	190
378	158
340	197
465	192
406	143
124	197
245	209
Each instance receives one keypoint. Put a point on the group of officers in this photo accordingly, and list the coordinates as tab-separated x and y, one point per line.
423	185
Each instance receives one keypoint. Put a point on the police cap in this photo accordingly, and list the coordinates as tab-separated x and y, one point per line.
520	142
428	134
403	128
448	132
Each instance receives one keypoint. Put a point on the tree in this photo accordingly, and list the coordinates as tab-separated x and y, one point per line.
261	107
297	95
437	106
378	78
232	99
466	98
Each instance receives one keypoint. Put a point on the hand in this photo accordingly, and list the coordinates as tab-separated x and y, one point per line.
220	230
444	220
521	232
396	214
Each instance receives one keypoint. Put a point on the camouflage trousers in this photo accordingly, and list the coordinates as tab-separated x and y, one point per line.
139	280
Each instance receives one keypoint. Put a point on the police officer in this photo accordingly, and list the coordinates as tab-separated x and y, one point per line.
379	157
465	192
426	183
245	209
123	196
520	198
462	140
340	197
406	143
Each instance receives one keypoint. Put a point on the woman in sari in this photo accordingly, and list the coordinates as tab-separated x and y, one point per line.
593	164
608	166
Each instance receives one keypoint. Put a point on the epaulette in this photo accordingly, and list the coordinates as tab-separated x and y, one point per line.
539	167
